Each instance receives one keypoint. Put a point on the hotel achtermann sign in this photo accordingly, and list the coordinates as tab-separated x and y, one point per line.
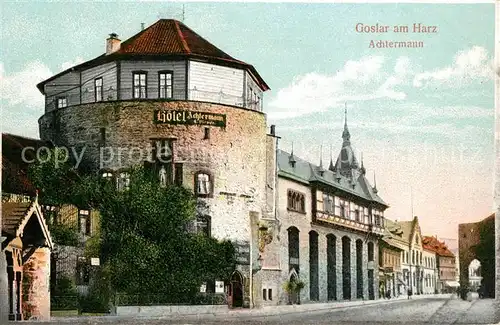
189	118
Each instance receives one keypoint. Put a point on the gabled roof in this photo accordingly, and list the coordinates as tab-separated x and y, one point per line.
431	243
306	173
14	168
15	216
408	228
167	38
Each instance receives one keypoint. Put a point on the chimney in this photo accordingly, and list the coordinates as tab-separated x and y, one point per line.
273	129
112	43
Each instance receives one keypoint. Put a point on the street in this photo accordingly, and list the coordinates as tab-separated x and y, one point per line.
434	310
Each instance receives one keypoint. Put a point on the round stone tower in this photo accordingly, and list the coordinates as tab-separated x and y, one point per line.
168	99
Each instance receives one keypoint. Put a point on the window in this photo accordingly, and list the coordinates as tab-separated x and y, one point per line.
264	294
343	210
123	181
162	150
61	102
139	84
107	175
296	201
98	89
328	203
102	138
165	84
84	222
178	174
203	184
204	225
337	206
357	214
50	214
367	216
82	271
270	294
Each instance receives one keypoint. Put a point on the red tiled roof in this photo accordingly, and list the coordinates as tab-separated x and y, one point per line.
14	169
168	37
431	243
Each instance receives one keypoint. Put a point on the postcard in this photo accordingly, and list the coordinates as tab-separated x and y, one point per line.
249	162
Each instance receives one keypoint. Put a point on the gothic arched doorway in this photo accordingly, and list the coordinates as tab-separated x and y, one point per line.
236	290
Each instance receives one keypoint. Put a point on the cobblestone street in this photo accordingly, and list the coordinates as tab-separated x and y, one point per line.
431	310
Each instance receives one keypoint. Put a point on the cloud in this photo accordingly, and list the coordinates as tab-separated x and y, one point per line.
19	88
360	80
368	79
467	66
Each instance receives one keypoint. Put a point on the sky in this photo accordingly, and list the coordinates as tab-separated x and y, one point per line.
421	117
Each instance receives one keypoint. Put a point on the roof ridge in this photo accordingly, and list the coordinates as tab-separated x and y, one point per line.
183	40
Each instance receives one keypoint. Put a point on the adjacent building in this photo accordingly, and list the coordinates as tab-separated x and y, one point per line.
331	221
27	243
431	274
445	262
391	248
412	256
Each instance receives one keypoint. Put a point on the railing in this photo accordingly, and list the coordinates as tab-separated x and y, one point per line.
64	303
169	299
79	96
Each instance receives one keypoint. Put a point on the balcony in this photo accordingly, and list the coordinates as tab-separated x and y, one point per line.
349	223
79	96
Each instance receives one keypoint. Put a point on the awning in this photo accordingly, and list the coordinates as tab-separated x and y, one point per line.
453	284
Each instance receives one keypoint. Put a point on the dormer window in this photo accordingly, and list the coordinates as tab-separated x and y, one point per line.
203	184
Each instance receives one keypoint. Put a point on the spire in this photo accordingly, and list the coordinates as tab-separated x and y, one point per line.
345	135
374	184
363	170
321	170
331	167
321	156
291	159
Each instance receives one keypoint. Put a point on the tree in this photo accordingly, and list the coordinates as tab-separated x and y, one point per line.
144	242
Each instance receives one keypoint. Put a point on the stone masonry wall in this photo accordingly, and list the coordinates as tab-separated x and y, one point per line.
37	290
235	155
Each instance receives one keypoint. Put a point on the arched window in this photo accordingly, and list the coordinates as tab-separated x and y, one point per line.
296	201
107	175
203	184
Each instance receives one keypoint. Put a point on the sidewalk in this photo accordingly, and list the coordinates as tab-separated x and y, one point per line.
270	310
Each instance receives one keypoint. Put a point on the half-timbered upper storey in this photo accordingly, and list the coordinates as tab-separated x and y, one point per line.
340	195
166	61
